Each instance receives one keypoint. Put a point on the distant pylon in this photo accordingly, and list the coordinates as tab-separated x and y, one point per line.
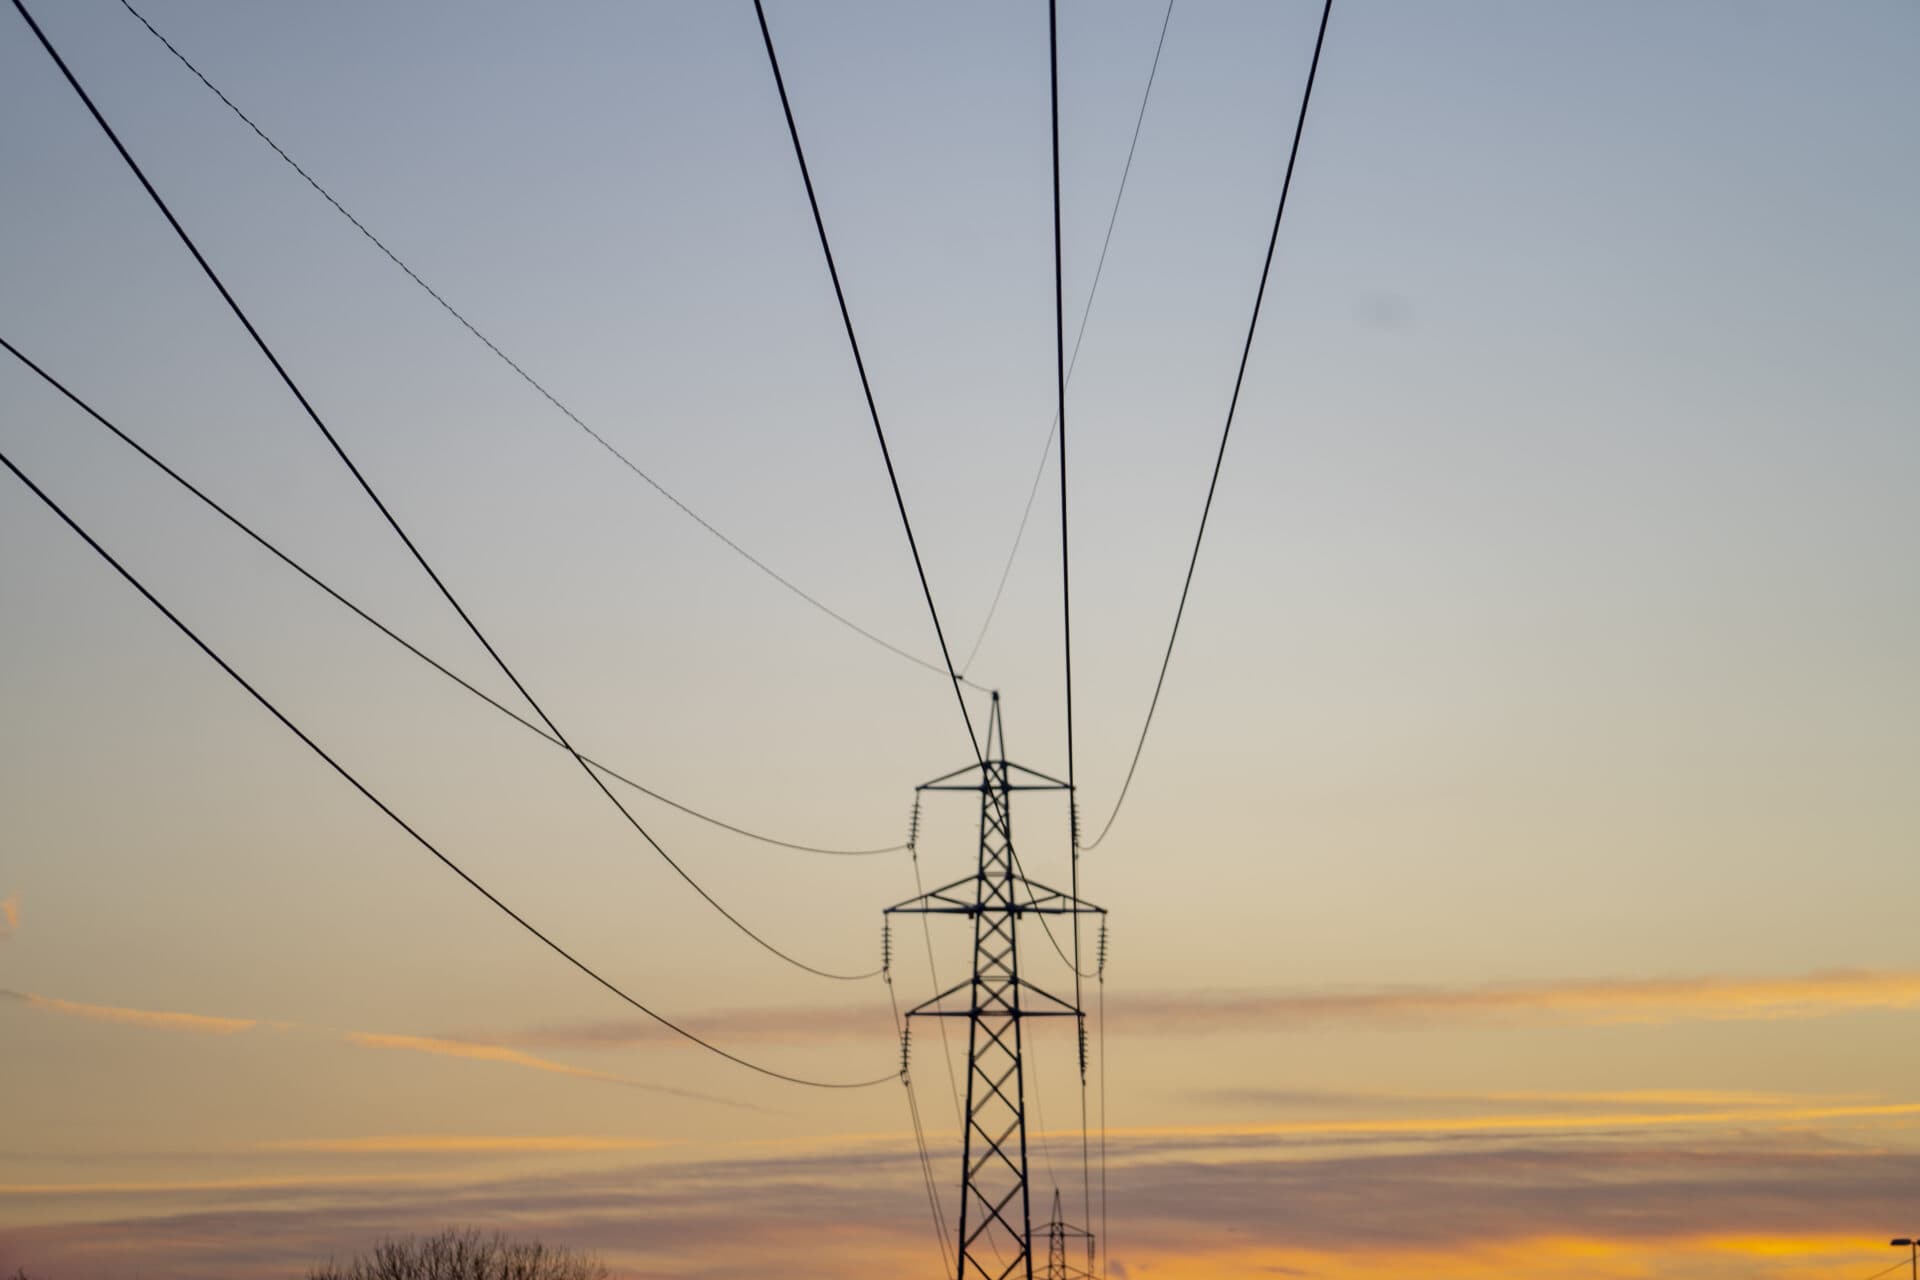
996	1211
1059	1231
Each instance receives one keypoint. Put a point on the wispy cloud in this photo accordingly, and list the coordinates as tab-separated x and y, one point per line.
1238	1205
161	1187
1375	1101
791	1023
1575	1002
464	1144
1566	1123
9	915
473	1051
476	1051
197	1022
1585	1002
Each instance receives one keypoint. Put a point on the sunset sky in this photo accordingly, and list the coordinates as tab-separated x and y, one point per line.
1521	875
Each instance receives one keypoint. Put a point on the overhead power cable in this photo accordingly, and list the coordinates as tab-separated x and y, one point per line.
1246	351
933	967
1887	1271
1073	357
893	479
393	522
402	823
919	1131
520	370
1066	582
1101	996
860	365
402	641
1047	929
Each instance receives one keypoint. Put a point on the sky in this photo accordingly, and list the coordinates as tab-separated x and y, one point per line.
1519	872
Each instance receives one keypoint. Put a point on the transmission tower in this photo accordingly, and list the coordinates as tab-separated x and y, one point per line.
996	1212
1059	1231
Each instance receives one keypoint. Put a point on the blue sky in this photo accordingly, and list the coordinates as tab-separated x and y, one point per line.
1556	624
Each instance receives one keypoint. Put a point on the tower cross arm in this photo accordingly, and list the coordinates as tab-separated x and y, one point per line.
1050	1006
977	781
1051	781
1047	901
958	898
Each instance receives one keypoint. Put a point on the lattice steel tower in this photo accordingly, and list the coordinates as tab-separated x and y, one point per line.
996	1211
1059	1231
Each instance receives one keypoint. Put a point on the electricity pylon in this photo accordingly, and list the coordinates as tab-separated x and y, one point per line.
1059	1231
996	1212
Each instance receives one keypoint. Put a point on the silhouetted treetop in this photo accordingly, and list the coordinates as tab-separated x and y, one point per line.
464	1255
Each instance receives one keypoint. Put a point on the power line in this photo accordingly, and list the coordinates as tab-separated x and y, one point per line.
1030	1068
1073	357
1066	580
521	371
860	365
402	641
1060	372
1058	950
933	969
893	478
919	1133
394	523
1246	351
1101	997
402	823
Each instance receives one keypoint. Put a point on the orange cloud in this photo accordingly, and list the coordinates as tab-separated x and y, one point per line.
209	1025
1601	1002
799	1023
300	1182
1616	1210
160	1019
1578	1002
478	1052
10	912
1549	1257
1534	1122
1269	1100
462	1144
1660	1097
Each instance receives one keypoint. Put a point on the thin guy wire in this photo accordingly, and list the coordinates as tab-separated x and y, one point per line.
860	365
402	823
1286	185
518	369
933	970
1059	950
873	411
919	1136
1080	337
866	386
1046	928
1100	996
400	640
394	523
1066	582
926	1167
1031	1064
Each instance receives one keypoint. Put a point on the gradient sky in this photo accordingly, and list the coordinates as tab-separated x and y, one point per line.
1520	875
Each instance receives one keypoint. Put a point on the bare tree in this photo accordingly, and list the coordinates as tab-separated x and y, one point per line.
464	1255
